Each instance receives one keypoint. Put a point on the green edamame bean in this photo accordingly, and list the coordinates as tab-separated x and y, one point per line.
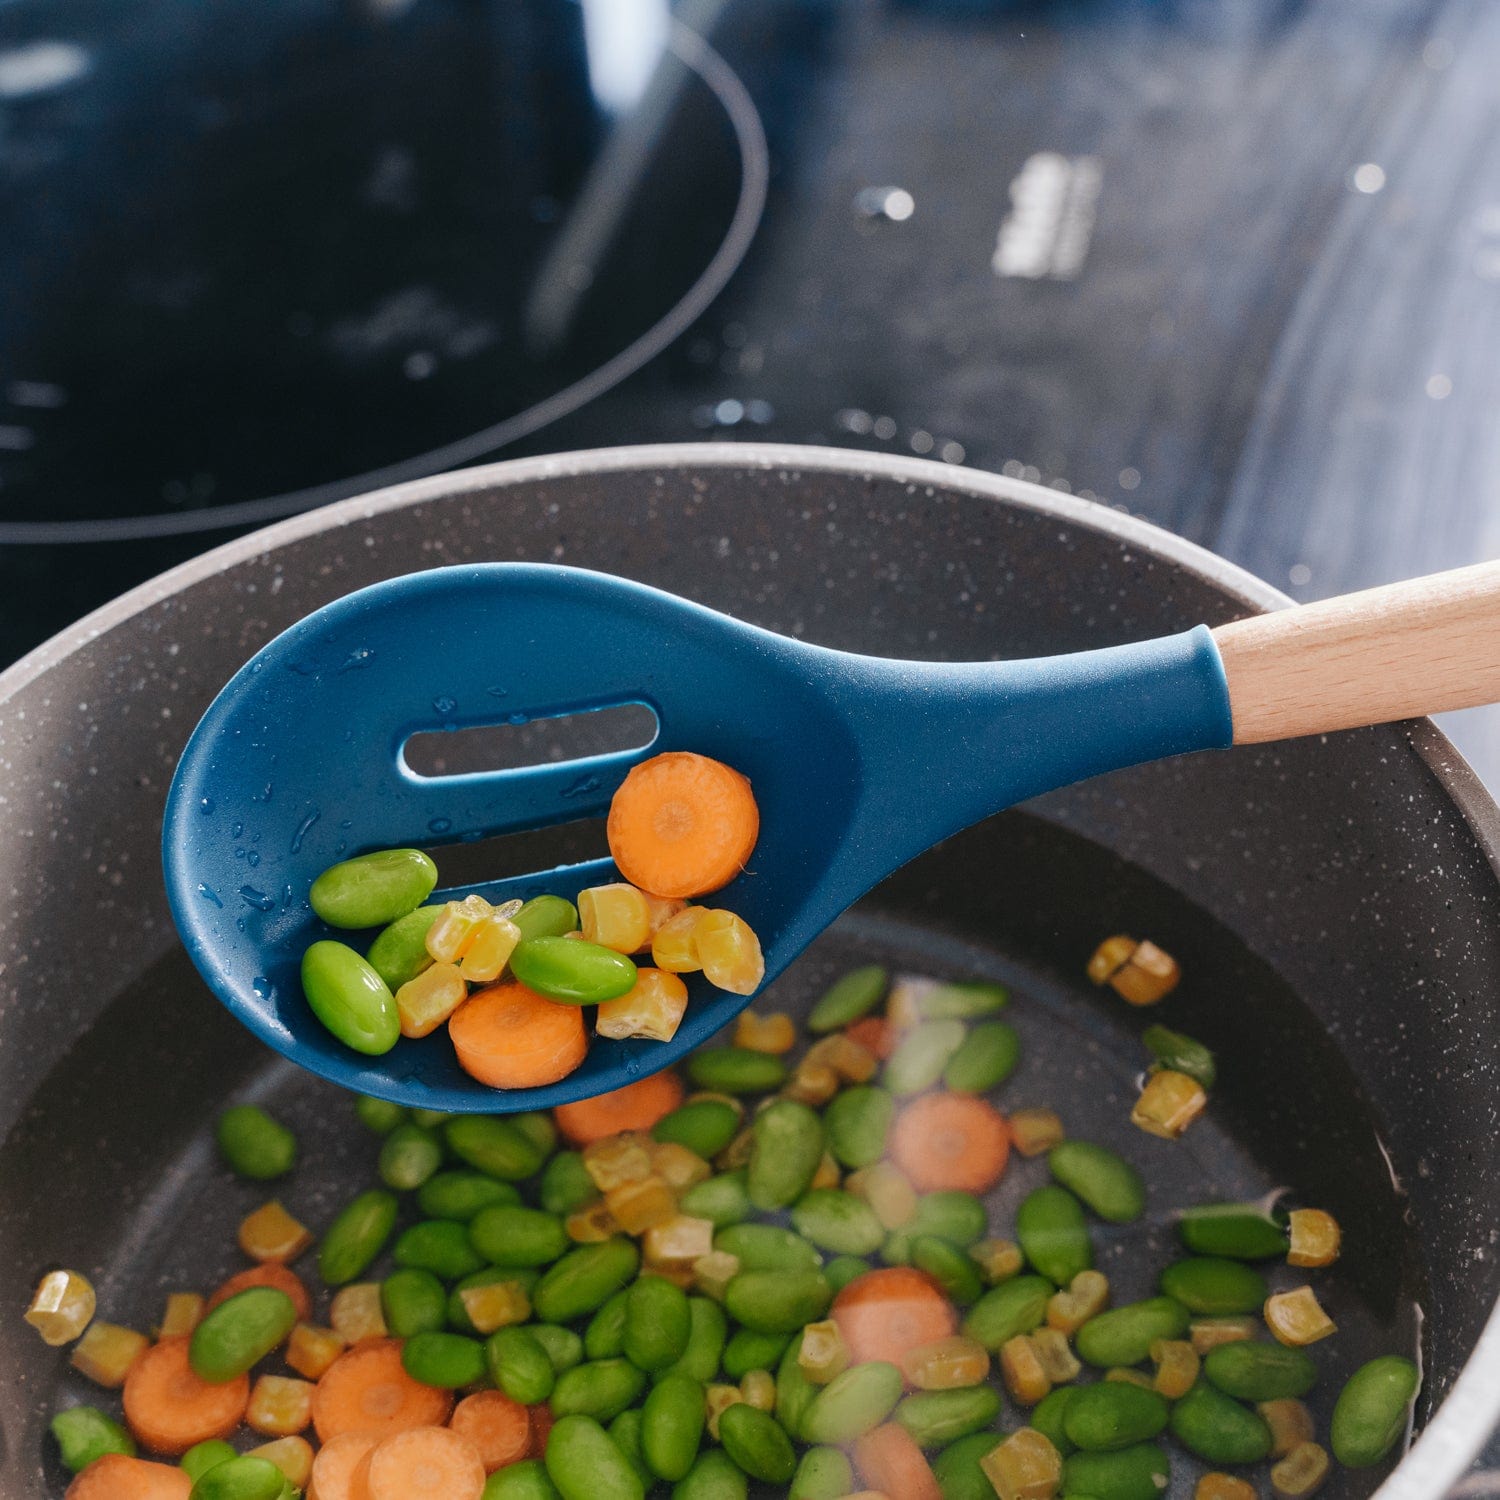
960	1280
1124	1336
1181	1054
854	995
657	1324
572	971
255	1145
460	1195
705	1126
722	1200
1373	1409
440	1246
707	1330
510	1235
1218	1429
538	1127
1112	1415
1107	1183
715	1476
519	1365
445	1360
957	1470
202	1457
823	1474
400	953
413	1301
858	1121
430	1119
546	916
564	1347
843	1269
373	889
527	1480
496	1147
1213	1287
736	1070
240	1479
408	1157
838	1221
1238	1231
239	1331
921	1055
1053	1234
584	1463
956	1217
625	1432
84	1433
1015	1306
598	1388
566	1185
748	1351
786	1151
987	1057
1260	1372
350	998
1139	1473
379	1115
794	1391
584	1279
960	1002
672	1426
936	1418
604	1338
851	1403
458	1314
755	1442
1049	1416
777	1301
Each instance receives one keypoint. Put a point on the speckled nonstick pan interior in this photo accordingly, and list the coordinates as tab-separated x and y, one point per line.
1333	902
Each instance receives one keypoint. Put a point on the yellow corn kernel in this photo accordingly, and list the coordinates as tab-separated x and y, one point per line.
719	1398
903	1006
1315	1238
702	1096
1177	1365
885	1188
591	1224
1168	1104
1300	1474
823	1354
311	1350
828	1174
713	1272
1110	957
1224	1487
615	916
737	1153
451	933
850	1060
489	949
638	1205
680	1241
355	1312
1297	1318
272	1234
773	1033
61	1306
500	1304
652	1008
758	1389
661	909
730	953
811	1083
1034	1131
1022	1371
182	1314
1290	1422
292	1455
946	1364
426	1002
1024	1467
1208	1333
1126	1376
618	1159
677	1166
998	1259
1054	1355
106	1352
1148	975
674	945
679	1276
1087	1296
279	1406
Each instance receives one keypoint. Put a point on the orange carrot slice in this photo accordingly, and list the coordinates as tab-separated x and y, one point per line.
272	1274
510	1038
875	1034
637	1106
951	1141
169	1408
541	1429
499	1428
424	1463
884	1313
682	824
888	1460
366	1390
115	1477
334	1467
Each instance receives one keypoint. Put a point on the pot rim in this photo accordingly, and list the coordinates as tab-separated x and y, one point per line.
1467	1414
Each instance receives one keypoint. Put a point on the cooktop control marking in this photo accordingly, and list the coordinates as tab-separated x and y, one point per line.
1047	232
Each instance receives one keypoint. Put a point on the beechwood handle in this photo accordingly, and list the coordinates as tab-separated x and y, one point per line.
1396	652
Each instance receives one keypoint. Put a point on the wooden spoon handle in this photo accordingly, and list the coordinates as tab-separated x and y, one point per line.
1396	652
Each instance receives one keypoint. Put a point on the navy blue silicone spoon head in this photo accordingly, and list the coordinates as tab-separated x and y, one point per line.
858	765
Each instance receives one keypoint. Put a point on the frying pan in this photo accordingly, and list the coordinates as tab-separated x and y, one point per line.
1333	902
